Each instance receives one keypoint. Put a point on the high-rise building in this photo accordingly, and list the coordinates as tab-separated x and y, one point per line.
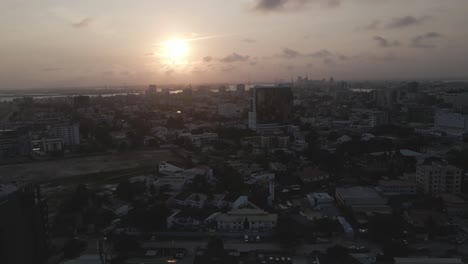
378	118
152	90
23	225
437	177
270	107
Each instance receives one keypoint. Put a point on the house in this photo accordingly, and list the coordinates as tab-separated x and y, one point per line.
396	187
168	168
320	200
194	200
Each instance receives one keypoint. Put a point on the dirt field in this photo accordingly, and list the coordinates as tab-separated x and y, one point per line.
57	169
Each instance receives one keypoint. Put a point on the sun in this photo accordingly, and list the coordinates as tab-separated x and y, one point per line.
175	50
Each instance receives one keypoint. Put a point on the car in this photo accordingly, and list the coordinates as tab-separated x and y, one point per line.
257	239
246	238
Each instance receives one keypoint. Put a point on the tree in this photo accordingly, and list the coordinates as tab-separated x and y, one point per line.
124	191
73	248
125	244
337	252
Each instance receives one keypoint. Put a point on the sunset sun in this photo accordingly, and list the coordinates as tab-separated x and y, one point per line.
175	50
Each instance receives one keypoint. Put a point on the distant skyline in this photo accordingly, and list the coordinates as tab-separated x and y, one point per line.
91	43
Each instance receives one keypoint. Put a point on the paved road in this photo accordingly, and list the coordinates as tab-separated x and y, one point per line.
301	250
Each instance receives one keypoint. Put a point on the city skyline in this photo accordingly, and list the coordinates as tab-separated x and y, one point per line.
55	44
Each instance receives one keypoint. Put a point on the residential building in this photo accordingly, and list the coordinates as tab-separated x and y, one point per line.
69	133
435	177
378	118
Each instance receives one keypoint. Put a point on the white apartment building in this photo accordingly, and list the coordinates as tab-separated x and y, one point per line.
437	178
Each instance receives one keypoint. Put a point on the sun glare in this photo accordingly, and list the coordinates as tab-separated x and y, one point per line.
175	50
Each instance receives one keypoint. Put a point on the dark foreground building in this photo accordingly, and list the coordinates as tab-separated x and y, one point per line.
23	232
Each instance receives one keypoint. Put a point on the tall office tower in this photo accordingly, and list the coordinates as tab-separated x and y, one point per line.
270	108
23	225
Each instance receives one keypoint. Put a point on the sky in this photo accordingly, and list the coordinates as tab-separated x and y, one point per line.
52	43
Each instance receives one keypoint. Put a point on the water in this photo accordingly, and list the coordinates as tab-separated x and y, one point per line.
10	98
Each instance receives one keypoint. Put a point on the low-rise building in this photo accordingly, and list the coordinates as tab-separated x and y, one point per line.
247	218
362	199
428	261
397	187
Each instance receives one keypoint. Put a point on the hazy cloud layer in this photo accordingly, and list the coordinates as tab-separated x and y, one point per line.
288	5
234	57
385	43
396	22
425	41
83	23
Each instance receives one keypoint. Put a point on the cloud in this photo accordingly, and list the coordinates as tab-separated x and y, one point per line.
249	40
83	23
423	41
291	5
290	53
406	21
395	23
207	59
234	57
385	43
374	25
323	54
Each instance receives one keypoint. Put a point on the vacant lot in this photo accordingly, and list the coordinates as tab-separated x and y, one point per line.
59	169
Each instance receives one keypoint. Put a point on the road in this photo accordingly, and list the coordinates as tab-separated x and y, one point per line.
237	244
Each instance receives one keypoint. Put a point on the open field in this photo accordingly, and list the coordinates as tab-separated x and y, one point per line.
92	166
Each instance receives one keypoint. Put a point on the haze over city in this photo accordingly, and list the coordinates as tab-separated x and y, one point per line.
89	43
234	132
